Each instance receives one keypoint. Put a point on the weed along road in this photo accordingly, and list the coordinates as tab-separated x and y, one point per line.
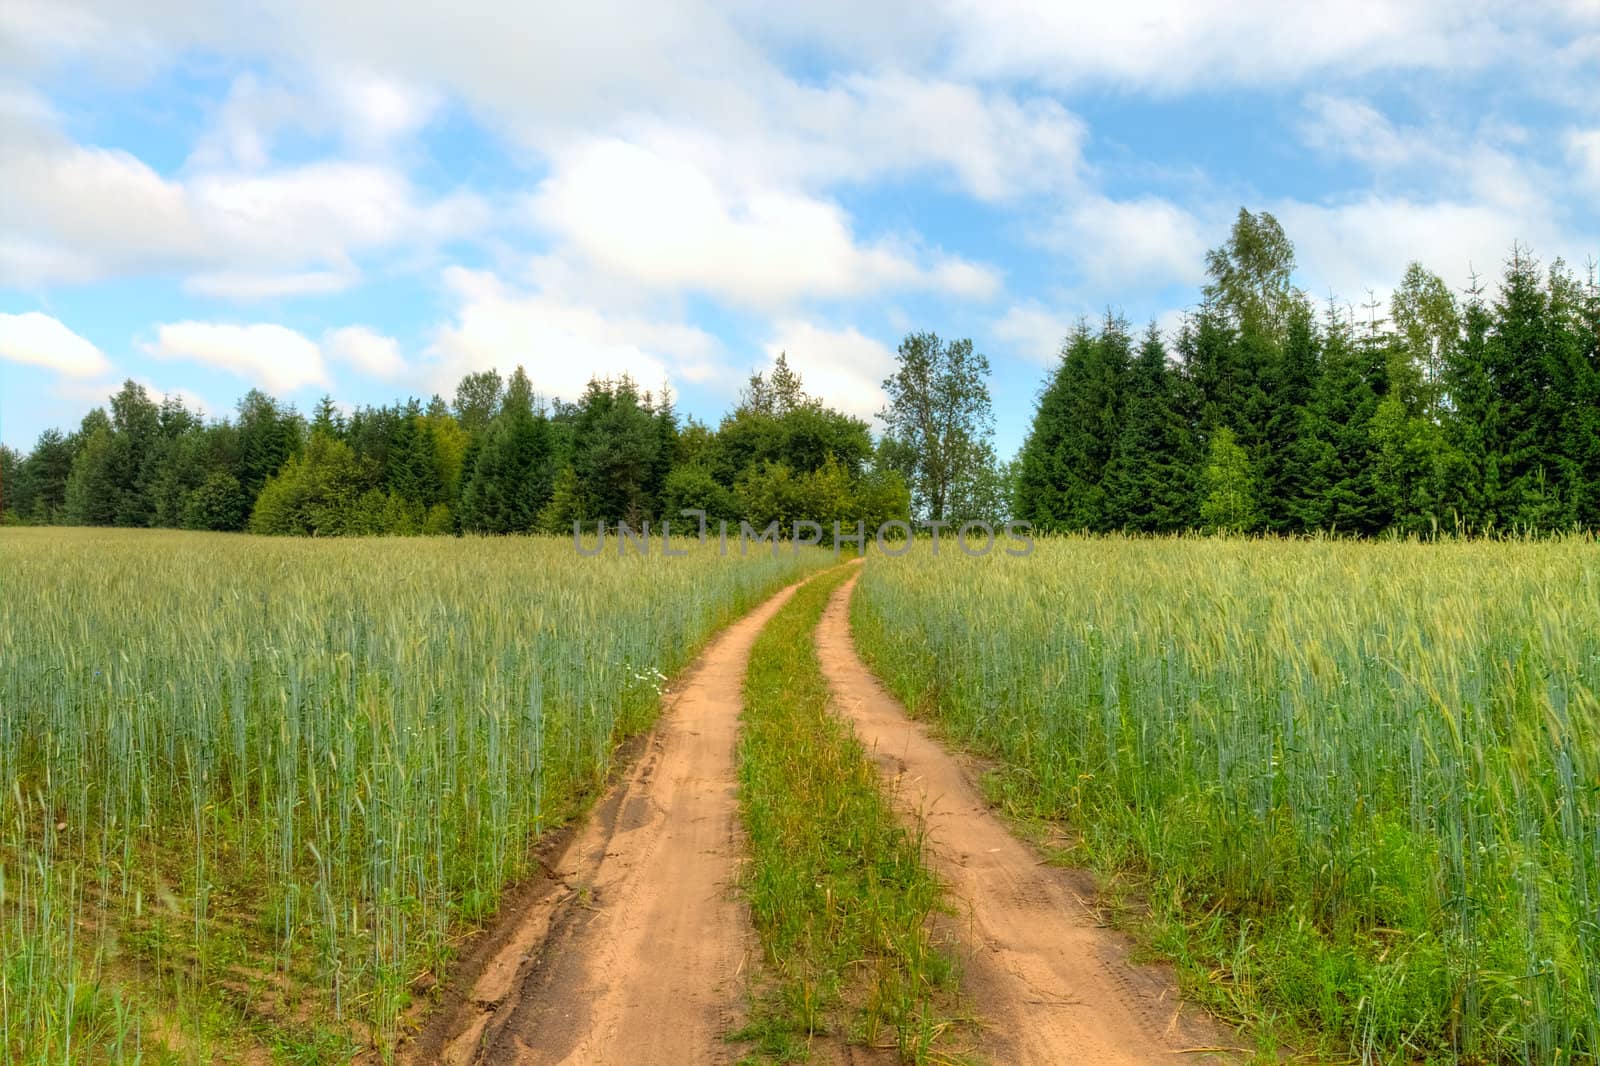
1048	984
640	958
638	947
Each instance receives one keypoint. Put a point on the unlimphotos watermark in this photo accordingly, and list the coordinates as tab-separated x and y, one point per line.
893	538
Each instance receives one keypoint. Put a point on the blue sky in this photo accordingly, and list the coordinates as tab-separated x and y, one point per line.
370	199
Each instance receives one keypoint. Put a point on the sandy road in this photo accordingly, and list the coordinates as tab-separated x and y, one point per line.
634	948
1047	983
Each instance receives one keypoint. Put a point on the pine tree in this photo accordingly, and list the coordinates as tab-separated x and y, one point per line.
1292	384
414	472
1520	443
94	488
45	472
1586	428
1472	485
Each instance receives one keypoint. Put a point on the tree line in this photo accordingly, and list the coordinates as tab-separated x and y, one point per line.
1474	414
1440	412
498	459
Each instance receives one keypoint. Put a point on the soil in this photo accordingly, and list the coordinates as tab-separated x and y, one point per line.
634	948
1046	981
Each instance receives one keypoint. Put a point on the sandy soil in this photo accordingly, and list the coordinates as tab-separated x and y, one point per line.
1046	982
633	948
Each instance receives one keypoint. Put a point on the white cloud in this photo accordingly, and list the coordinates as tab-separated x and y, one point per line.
1354	128
560	342
374	111
842	367
369	352
235	285
39	340
860	128
1034	332
1365	244
76	213
1116	242
662	222
1172	45
1583	148
271	356
369	113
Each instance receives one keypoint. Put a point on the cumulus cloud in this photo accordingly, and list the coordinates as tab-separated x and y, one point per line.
662	222
272	356
842	367
864	127
561	342
1173	45
1033	331
368	352
1365	244
39	340
1118	242
75	213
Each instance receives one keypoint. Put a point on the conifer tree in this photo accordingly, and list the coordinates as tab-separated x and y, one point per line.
1150	476
1336	446
511	480
1062	463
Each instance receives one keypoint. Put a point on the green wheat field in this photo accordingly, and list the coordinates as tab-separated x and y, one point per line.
260	785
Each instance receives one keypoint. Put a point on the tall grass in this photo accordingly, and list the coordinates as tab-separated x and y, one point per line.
1360	783
261	784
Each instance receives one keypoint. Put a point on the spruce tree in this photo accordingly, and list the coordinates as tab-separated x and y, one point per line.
1061	480
1149	479
511	478
1336	445
1292	384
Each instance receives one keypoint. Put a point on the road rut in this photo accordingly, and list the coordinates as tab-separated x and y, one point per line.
636	951
1047	983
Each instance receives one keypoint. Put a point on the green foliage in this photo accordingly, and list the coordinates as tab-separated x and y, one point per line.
1345	785
939	416
257	802
319	492
1482	417
837	887
95	486
692	487
12	509
1229	485
217	503
1149	475
511	478
1063	467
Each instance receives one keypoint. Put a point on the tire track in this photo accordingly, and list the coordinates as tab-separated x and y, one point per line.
635	949
1048	983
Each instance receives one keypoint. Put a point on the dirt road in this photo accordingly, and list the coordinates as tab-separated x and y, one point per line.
633	949
1047	984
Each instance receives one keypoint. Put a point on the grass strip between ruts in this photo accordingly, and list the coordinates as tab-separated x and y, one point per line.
837	886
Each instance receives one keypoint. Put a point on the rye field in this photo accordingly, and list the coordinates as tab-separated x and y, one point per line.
1350	786
256	785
